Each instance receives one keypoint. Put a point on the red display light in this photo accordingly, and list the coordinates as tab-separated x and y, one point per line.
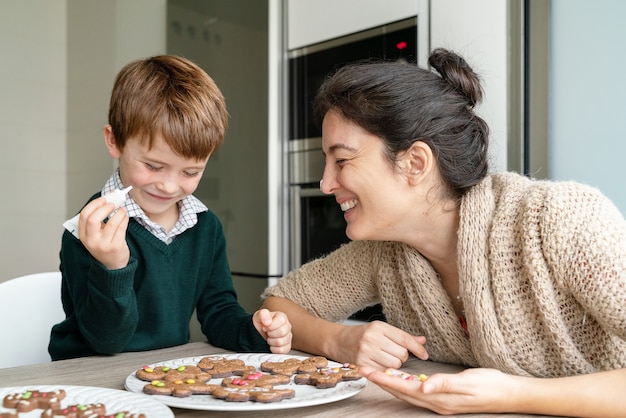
401	45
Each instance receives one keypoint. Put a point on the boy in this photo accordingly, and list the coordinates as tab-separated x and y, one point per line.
131	282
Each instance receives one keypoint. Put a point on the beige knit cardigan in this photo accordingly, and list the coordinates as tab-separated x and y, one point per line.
542	270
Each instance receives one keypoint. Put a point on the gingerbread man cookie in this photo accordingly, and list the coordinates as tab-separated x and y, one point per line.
34	399
179	388
291	366
123	414
255	379
256	394
8	415
328	377
75	411
169	374
223	367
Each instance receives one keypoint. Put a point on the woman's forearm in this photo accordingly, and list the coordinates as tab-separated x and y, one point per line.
310	333
596	395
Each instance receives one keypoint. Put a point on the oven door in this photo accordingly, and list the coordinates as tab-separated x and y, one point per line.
318	225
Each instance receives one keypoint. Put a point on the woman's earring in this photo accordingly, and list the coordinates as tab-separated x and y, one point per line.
321	183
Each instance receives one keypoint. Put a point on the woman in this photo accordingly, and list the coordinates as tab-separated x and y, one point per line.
518	279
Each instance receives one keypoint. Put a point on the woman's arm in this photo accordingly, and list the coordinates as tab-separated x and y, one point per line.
377	344
490	391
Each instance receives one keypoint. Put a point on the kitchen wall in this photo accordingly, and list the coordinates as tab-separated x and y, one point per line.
59	61
587	91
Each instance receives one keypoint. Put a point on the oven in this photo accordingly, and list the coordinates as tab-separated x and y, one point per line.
316	222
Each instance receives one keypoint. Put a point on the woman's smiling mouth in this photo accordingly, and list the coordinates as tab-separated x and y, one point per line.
349	204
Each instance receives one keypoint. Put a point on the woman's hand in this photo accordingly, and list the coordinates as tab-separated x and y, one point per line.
599	394
275	328
106	242
379	345
471	391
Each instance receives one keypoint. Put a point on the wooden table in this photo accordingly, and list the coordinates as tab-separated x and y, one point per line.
111	371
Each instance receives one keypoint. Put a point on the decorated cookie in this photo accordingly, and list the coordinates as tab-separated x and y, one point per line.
292	366
75	411
179	388
404	375
223	367
328	377
34	399
170	374
255	379
123	414
255	394
8	415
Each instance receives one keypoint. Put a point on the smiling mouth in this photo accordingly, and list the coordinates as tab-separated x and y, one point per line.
349	204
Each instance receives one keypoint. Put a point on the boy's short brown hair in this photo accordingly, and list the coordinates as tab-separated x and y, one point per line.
170	96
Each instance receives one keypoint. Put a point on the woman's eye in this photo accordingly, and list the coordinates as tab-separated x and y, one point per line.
341	162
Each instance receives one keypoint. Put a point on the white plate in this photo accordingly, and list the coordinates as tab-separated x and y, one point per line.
114	400
305	395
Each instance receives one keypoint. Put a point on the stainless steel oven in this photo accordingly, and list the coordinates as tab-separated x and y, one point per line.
316	222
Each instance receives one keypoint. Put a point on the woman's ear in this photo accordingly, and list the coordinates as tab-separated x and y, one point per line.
111	143
419	160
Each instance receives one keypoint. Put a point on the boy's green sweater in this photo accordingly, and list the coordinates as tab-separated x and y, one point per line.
149	303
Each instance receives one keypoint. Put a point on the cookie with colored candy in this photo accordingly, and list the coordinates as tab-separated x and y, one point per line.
170	374
255	379
123	414
328	377
223	367
255	394
291	366
34	399
404	375
75	411
179	388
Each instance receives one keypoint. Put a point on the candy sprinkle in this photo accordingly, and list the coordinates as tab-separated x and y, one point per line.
406	376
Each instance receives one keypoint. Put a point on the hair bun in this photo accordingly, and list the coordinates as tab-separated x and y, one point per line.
457	72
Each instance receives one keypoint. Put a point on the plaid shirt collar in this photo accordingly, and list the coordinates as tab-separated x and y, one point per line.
188	208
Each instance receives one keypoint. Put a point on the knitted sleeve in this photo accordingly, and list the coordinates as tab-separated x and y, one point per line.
335	286
585	243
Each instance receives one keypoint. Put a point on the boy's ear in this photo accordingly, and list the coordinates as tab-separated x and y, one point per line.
110	142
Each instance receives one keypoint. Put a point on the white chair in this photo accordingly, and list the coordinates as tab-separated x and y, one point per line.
29	307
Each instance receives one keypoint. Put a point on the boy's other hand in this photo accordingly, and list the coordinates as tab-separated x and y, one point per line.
275	328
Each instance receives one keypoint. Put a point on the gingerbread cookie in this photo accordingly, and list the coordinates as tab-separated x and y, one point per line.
328	377
8	415
123	414
34	399
291	366
223	367
169	374
255	394
256	379
179	388
75	411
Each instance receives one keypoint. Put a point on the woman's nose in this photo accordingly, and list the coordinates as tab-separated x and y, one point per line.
327	184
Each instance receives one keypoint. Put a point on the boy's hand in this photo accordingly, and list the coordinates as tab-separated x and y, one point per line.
106	242
275	328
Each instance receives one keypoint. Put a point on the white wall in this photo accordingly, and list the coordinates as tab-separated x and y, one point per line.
32	115
588	95
59	61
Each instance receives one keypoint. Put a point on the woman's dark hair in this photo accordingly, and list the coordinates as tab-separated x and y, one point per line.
402	103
